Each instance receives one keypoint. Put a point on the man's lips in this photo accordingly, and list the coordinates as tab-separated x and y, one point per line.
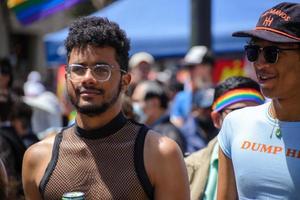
90	92
262	77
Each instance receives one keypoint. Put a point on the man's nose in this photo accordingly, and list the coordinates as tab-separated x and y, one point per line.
88	76
261	62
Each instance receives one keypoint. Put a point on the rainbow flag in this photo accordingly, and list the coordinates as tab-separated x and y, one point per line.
28	11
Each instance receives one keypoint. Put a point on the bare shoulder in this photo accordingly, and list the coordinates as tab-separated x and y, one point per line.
35	162
37	157
161	146
39	150
161	149
160	153
165	167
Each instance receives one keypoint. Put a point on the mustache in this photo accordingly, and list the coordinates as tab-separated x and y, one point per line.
82	89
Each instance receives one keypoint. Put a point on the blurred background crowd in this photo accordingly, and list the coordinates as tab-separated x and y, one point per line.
180	51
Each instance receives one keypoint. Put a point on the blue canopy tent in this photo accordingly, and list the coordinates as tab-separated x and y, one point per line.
159	27
163	27
229	16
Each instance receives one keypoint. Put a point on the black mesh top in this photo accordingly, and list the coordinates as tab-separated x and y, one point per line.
106	163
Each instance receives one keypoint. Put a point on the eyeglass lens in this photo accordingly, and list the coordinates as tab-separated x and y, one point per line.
100	72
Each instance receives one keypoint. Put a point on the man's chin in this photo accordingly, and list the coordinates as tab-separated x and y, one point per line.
92	110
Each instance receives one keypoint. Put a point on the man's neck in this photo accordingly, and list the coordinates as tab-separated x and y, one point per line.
285	109
97	121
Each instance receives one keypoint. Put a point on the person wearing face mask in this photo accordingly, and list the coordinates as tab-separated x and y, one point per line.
259	146
150	104
198	128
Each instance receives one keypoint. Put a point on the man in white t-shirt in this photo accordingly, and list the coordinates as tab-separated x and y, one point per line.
260	149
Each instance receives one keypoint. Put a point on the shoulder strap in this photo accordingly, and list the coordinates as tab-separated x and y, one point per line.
139	161
51	166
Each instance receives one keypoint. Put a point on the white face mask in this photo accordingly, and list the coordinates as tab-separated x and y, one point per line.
138	110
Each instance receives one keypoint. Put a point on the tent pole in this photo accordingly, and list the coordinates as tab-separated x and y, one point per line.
201	22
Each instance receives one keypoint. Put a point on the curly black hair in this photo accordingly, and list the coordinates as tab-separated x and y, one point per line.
99	32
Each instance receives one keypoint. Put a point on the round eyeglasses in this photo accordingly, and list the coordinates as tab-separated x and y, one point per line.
270	53
101	72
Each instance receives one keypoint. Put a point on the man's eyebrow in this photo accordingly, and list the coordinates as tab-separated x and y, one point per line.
78	63
101	63
85	64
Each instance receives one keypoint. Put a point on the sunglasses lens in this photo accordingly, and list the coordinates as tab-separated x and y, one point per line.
252	52
271	54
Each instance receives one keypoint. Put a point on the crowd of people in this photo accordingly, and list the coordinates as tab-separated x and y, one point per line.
141	133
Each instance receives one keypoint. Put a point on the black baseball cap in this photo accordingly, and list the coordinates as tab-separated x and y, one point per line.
279	24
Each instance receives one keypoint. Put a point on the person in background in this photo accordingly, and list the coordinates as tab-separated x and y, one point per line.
3	181
199	62
151	105
33	85
12	148
104	155
234	93
6	77
199	129
140	66
127	108
173	86
21	115
202	113
47	112
259	156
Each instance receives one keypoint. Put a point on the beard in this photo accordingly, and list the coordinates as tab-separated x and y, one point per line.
94	110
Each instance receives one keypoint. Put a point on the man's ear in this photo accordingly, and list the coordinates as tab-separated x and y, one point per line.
126	78
66	77
217	119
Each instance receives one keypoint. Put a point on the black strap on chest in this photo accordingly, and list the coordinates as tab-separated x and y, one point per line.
139	162
52	164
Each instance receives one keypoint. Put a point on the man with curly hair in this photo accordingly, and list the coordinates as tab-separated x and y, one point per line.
103	155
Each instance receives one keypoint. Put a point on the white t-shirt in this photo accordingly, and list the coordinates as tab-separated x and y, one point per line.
266	164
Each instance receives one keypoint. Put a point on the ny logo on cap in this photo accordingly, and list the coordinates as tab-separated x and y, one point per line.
268	21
